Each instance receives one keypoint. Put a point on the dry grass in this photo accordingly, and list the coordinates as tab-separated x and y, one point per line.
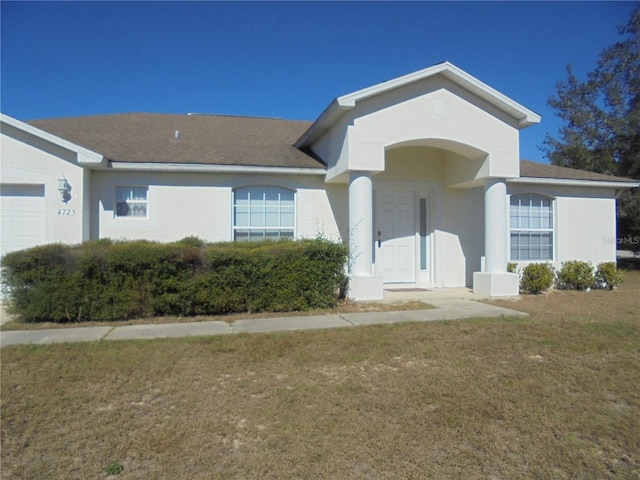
554	396
344	307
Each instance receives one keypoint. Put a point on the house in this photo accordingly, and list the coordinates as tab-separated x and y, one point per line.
419	175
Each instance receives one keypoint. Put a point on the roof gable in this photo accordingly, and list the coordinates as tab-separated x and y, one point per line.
10	125
340	105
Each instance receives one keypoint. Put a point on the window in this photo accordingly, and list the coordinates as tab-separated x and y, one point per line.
531	227
263	213
423	234
131	201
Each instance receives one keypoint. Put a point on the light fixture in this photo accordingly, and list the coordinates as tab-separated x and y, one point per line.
65	190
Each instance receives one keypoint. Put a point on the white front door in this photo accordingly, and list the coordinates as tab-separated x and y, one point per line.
396	237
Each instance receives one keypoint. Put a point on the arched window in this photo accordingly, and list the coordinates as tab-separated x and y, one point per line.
531	227
262	212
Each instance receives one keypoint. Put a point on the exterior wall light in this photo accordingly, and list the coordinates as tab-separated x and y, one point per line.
65	190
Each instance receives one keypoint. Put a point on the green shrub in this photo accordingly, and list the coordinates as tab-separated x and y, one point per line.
537	277
191	242
576	274
40	281
107	280
608	275
512	267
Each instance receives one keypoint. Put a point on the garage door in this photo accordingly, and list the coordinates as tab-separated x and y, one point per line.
22	216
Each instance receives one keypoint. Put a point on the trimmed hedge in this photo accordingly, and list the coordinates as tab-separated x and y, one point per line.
537	277
608	275
574	275
109	280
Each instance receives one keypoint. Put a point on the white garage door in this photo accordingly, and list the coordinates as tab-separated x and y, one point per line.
22	216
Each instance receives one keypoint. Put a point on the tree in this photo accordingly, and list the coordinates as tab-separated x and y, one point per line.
601	131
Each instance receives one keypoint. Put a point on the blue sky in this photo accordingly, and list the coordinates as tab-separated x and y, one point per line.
285	59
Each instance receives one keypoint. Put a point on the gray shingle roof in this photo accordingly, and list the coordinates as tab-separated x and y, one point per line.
540	170
222	140
203	139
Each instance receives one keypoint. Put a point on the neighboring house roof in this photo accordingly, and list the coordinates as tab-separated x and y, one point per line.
342	104
202	139
529	169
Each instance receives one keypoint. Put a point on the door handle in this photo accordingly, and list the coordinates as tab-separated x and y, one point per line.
379	239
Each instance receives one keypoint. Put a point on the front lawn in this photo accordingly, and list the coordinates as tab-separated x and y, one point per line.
551	396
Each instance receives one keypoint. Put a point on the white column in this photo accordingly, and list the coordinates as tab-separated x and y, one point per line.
363	284
495	226
495	281
360	223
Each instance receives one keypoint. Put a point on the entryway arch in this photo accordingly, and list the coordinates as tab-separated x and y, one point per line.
418	241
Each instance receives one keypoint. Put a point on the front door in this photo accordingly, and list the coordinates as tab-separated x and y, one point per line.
396	237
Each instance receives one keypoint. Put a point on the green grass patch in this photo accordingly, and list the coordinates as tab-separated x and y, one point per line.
550	396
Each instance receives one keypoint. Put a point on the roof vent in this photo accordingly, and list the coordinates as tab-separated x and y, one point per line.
176	135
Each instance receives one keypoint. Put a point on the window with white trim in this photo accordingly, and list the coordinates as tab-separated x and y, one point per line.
263	213
131	201
531	227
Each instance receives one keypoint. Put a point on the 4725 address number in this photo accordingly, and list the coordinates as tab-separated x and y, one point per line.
66	212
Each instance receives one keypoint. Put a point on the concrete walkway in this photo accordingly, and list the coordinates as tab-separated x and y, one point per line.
446	309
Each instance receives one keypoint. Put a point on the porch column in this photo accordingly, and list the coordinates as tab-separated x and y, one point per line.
363	285
495	226
494	281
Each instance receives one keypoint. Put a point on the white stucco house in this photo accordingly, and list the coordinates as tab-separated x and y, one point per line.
419	175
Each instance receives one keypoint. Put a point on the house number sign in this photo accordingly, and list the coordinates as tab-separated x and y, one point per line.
66	212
